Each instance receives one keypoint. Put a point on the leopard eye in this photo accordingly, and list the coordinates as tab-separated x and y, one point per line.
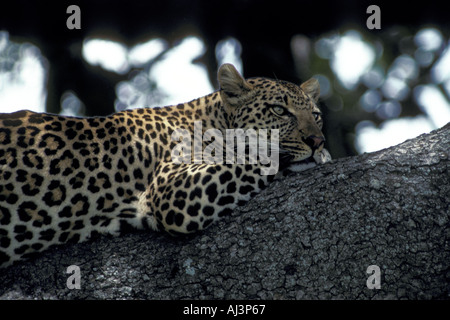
316	116
279	110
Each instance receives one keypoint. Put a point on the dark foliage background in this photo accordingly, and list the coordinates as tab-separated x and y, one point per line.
266	30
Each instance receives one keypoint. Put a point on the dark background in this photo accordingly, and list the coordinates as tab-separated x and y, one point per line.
264	28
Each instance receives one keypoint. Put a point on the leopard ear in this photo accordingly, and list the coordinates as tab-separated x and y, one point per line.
311	88
233	87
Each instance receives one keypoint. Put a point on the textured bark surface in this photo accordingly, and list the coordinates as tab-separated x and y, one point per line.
311	236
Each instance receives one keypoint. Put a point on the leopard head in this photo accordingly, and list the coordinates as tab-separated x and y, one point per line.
262	103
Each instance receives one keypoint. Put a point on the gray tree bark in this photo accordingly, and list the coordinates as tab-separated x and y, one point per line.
312	235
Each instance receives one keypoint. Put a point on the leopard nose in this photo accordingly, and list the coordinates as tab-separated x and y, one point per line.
314	142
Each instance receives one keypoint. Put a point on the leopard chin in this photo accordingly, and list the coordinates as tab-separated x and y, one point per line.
317	158
302	165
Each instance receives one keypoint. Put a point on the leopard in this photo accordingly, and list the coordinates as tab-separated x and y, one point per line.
66	179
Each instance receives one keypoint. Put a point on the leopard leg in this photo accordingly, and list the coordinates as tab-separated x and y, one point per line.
189	197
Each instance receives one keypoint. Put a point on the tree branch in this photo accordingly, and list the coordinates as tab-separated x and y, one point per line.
311	236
